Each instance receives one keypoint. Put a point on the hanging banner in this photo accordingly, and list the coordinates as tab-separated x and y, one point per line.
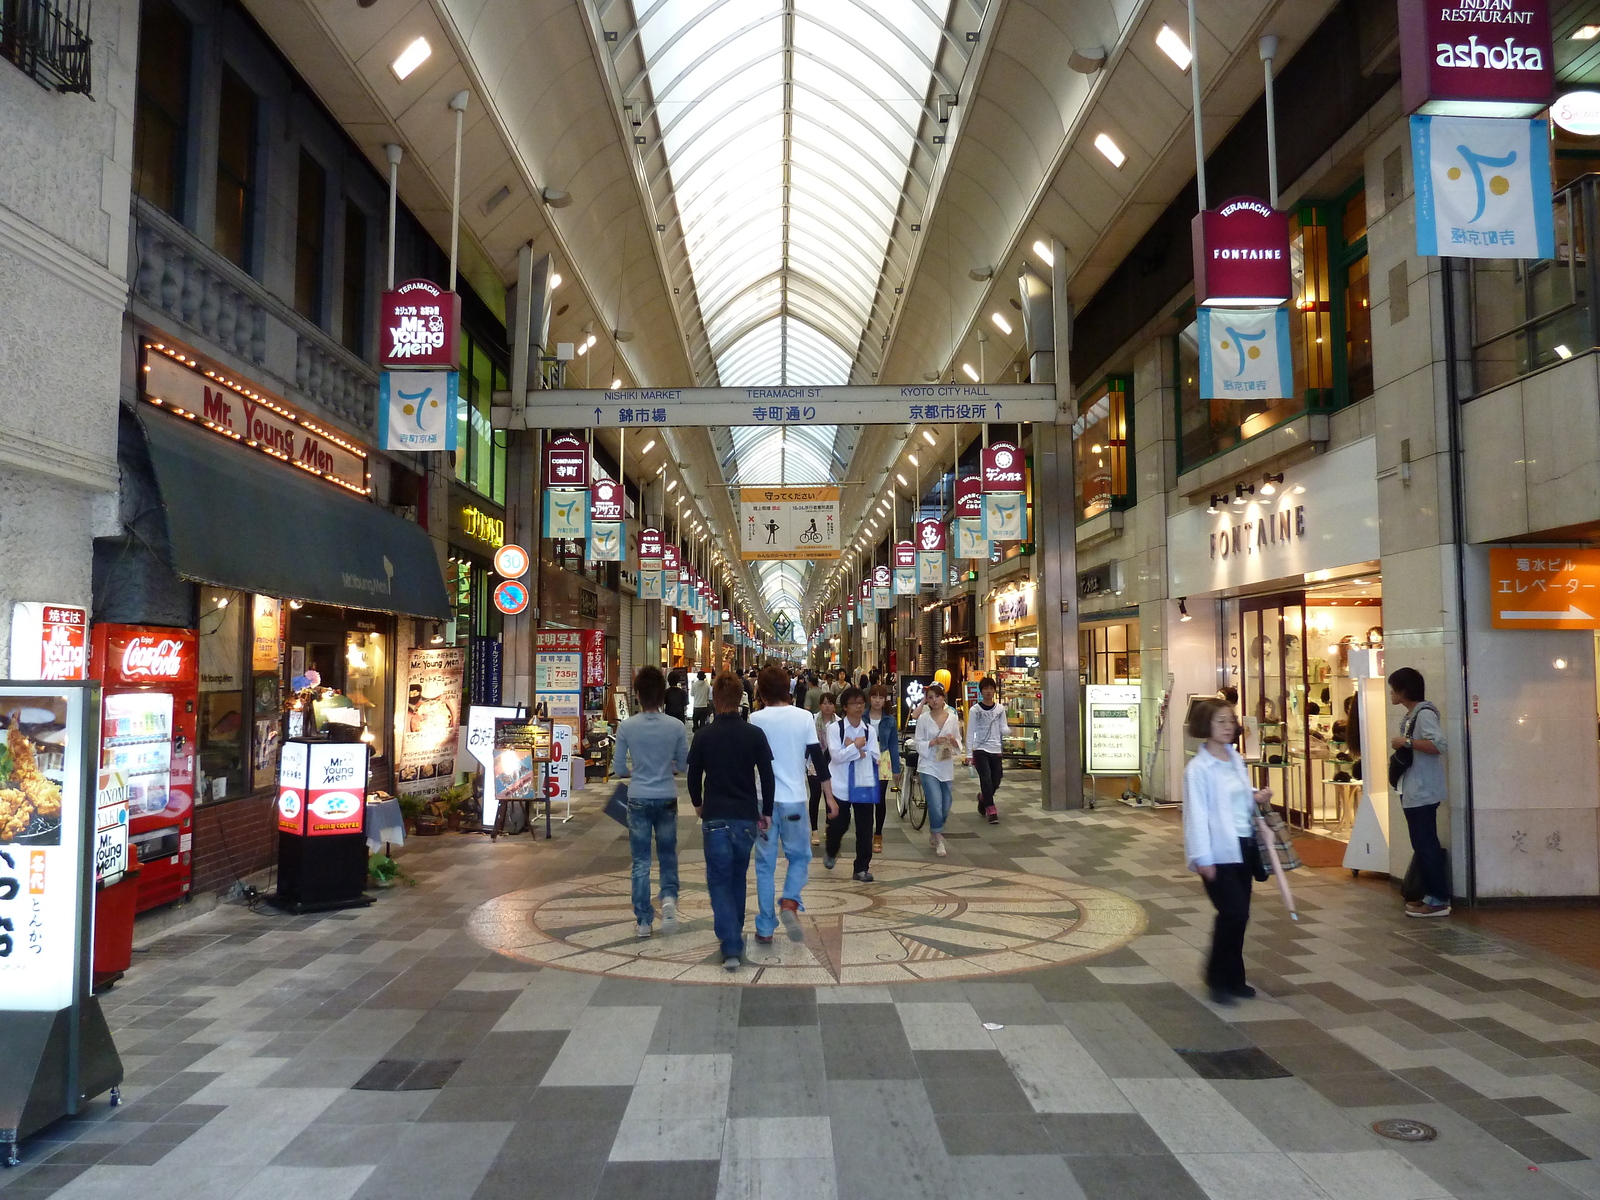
605	542
649	581
566	514
1005	517
566	462
605	500
969	496
905	581
419	324
789	523
970	542
1482	187
882	597
1245	354
930	566
417	410
431	684
1001	469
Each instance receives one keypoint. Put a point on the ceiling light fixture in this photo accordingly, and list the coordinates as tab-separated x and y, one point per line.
1216	504
648	446
615	384
671	486
1112	151
902	479
412	57
1045	256
1174	47
555	280
914	462
1269	485
1562	352
1586	33
1000	323
927	436
970	371
592	340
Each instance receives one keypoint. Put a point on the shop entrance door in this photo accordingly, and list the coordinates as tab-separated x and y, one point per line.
1272	699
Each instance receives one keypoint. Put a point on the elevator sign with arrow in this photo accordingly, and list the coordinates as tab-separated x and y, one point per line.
1544	588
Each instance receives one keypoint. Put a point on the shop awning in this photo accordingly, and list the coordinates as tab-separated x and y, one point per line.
238	519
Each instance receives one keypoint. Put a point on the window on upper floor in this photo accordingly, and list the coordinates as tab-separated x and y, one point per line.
1102	440
237	138
1354	286
310	240
161	107
480	451
354	315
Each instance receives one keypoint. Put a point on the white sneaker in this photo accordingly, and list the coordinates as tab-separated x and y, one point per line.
669	910
731	964
642	929
938	844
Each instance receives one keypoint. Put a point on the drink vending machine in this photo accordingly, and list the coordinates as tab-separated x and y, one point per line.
150	678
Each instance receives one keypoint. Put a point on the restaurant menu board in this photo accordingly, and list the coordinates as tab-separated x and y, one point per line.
1111	718
521	749
480	745
428	736
292	770
336	788
43	804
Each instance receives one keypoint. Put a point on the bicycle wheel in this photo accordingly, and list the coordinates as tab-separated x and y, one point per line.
902	798
919	804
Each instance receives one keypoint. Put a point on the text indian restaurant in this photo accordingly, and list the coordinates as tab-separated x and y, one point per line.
256	592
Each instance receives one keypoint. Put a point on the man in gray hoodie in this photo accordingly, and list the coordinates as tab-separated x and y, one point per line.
650	747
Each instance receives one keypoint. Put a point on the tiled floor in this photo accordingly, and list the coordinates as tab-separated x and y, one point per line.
387	1053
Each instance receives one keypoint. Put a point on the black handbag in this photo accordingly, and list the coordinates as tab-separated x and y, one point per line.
1400	760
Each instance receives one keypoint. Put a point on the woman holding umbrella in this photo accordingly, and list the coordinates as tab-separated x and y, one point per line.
1219	834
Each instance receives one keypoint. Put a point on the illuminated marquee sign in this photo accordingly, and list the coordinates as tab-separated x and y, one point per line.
481	527
238	412
1480	58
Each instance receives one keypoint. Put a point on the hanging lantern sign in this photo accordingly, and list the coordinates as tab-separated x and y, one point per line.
566	462
969	496
605	500
1001	468
931	536
1482	58
419	325
650	546
1241	255
905	554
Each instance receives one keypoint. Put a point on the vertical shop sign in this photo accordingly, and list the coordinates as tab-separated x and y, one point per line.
605	501
1001	468
432	687
1245	354
969	496
650	546
49	641
419	325
1482	187
417	410
594	658
44	812
1489	58
265	616
566	462
484	675
1241	254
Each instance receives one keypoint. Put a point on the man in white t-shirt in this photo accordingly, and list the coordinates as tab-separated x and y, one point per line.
792	734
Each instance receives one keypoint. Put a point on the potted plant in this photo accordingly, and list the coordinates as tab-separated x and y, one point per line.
411	807
450	803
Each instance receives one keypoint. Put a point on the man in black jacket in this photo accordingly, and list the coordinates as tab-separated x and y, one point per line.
725	761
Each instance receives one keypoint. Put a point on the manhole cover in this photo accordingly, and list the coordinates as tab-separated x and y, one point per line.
1401	1129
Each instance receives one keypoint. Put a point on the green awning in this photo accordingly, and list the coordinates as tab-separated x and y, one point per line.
238	519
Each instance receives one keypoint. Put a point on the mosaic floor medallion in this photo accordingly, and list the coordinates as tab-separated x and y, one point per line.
918	921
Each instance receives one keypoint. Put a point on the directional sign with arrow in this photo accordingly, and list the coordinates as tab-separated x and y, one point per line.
1544	588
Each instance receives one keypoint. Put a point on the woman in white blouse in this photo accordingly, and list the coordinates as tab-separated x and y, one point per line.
1219	813
938	738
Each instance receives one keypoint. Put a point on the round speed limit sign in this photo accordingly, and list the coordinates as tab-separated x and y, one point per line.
511	561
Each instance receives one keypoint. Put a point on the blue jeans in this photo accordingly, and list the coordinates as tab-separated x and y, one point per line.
937	793
644	818
790	827
1422	822
727	846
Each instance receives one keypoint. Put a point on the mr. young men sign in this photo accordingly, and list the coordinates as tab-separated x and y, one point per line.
418	326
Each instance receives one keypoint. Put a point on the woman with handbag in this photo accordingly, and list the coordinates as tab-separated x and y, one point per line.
853	771
885	731
1219	836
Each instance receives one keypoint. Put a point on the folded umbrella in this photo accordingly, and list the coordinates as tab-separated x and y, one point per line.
1271	846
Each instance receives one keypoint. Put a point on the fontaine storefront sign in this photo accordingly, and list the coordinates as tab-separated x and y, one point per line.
1241	254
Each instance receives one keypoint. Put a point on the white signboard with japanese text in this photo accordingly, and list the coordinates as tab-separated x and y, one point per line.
480	745
789	523
1483	187
1111	716
45	806
1245	354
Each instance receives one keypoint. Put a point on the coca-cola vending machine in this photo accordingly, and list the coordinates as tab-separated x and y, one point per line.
149	679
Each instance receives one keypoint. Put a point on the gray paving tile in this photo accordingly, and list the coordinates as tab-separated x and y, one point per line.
1133	1177
983	1133
1029	1177
1101	1133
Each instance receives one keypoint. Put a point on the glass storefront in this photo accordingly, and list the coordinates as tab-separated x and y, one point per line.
1102	439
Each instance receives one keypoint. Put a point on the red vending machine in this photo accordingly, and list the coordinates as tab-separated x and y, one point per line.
149	680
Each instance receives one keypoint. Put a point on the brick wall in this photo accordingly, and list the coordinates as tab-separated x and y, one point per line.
233	839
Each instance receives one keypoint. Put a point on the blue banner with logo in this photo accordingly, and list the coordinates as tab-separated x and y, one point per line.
1482	187
1245	354
417	410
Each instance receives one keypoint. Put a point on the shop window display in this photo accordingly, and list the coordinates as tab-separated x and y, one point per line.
1102	441
221	725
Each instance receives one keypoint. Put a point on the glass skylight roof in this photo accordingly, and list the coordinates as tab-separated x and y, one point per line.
788	128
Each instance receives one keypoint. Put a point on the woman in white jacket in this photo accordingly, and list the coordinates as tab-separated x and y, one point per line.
1219	812
938	734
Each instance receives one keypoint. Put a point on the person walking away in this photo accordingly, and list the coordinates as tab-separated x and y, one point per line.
938	741
727	759
886	737
815	690
801	689
1419	750
792	736
650	747
677	703
853	772
700	699
747	683
986	727
1219	815
817	776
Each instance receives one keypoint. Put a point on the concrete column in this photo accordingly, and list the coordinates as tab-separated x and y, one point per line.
522	529
1056	539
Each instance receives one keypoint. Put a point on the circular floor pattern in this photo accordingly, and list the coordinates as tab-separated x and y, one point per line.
918	921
